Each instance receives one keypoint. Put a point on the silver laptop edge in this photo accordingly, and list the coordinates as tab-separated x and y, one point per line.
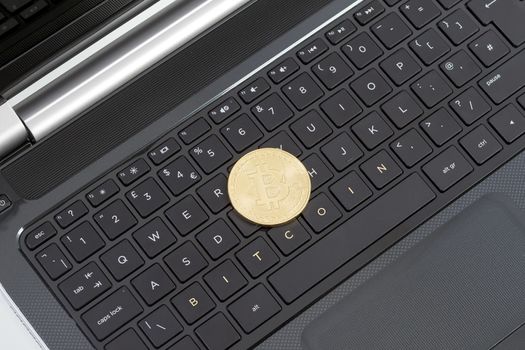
106	65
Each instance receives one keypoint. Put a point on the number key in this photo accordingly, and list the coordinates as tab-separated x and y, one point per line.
115	219
241	133
147	197
302	91
272	112
332	70
71	214
82	241
362	50
210	154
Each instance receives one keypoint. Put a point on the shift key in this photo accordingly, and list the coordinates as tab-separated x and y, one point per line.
112	313
505	80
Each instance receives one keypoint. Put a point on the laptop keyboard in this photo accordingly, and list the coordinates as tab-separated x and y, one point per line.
14	14
395	109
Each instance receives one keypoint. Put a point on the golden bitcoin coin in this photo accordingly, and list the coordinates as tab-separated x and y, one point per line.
269	186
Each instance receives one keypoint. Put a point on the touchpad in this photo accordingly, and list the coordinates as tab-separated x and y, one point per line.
463	287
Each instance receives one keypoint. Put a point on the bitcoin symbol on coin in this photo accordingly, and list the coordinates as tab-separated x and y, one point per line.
269	187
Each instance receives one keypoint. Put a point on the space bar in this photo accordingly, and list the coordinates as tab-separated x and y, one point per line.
339	246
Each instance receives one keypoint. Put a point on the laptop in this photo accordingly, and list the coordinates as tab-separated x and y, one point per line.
120	122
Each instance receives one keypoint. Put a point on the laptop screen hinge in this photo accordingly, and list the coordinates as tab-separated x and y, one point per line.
13	132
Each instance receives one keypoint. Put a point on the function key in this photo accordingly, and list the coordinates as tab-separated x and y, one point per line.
220	113
480	144
340	31
121	300
195	130
210	154
160	326
258	87
302	91
147	197
509	123
217	333
102	193
71	214
83	241
193	303
489	48
163	151
53	261
5	203
179	175
254	308
447	168
133	172
8	25
14	5
115	219
369	12
311	51
40	235
84	286
420	12
283	70
121	260
32	10
391	2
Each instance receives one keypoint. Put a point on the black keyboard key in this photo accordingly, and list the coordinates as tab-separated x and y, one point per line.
391	30
341	108
420	12
431	89
53	261
210	154
272	112
185	344
193	303
14	5
82	242
127	340
521	101
8	25
215	193
122	260
402	109
115	219
217	239
318	171
411	148
84	286
372	130
39	235
447	169
195	130
400	67
147	197
160	326
362	50
351	191
241	133
441	126
342	152
284	142
5	203
245	227
480	144
254	308
254	90
112	313
102	193
217	333
332	70
506	15
314	264
458	26
283	70
302	91
225	280
489	48
340	31
391	2
505	80
369	12
153	284
321	213
429	47
185	261
460	68
133	172
448	3
164	151
311	129
509	123
381	169
290	237
311	51
470	106
221	112
371	87
179	175
154	237
257	257
71	214
34	9
186	215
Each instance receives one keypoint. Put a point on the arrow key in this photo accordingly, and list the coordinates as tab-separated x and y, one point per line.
411	148
509	123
